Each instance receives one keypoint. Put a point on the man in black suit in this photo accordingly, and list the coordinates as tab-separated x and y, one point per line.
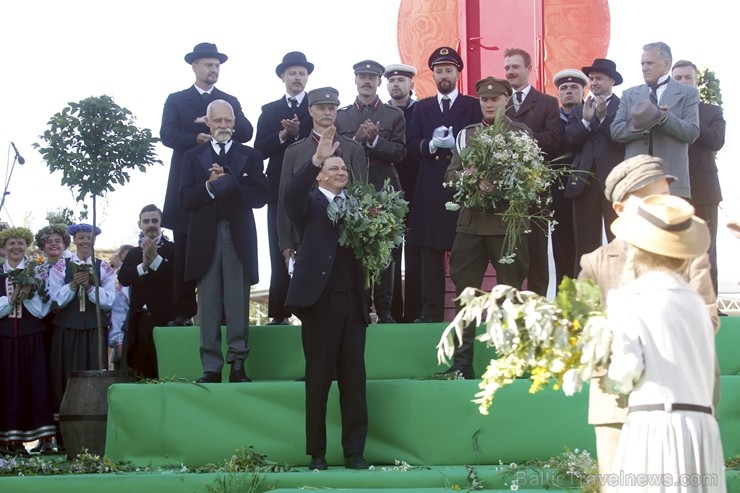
327	294
222	181
706	193
431	137
381	130
148	269
282	123
406	303
183	127
588	132
540	113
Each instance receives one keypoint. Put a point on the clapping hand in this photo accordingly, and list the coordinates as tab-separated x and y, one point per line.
291	127
148	250
443	137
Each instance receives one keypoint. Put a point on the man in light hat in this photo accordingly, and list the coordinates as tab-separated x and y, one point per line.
480	235
667	131
570	84
322	107
407	293
282	123
706	193
540	113
596	155
183	128
637	177
381	130
434	124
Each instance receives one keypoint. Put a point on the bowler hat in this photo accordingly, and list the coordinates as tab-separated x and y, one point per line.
605	66
368	67
665	225
445	54
633	174
570	75
493	87
291	59
205	50
400	69
645	115
323	95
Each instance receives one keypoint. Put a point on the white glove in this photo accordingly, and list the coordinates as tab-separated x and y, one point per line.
446	141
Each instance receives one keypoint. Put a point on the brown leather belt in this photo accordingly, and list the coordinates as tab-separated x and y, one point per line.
669	407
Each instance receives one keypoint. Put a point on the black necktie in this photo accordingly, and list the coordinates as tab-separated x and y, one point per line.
206	97
519	95
221	150
445	105
293	103
339	200
654	91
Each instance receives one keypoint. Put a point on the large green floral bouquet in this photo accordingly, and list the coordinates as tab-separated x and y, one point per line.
709	91
371	223
512	162
563	341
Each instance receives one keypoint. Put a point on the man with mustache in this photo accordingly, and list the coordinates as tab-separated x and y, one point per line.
183	128
406	293
431	137
541	114
282	123
149	270
222	181
322	106
381	129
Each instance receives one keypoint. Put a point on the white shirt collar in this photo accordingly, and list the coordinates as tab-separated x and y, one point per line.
78	260
298	97
330	195
453	96
217	148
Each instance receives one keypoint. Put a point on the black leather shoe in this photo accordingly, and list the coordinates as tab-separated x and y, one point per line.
279	321
318	462
180	321
423	320
386	318
356	462
466	372
209	377
237	373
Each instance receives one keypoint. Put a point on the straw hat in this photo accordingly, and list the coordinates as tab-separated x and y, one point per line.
663	224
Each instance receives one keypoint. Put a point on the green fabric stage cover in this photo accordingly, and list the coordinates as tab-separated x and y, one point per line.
422	422
393	351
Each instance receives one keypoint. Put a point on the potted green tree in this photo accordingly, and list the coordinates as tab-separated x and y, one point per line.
96	145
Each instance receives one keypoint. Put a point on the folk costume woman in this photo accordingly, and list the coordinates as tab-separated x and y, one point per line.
663	355
26	410
74	345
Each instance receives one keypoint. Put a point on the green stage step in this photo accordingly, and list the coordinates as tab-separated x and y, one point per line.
429	480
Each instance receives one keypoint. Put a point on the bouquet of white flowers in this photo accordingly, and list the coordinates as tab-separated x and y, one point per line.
563	341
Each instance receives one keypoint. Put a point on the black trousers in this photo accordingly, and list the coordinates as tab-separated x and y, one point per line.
538	277
183	293
709	213
279	278
412	283
563	244
432	263
333	335
590	211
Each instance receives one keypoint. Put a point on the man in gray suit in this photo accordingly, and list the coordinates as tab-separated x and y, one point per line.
678	127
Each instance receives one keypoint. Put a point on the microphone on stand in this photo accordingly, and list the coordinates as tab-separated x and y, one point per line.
18	155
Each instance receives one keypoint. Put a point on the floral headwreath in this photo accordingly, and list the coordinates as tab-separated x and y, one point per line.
52	229
72	229
21	233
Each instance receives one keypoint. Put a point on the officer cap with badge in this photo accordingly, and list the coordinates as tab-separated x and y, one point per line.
445	54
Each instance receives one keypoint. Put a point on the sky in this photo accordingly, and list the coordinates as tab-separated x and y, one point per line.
133	51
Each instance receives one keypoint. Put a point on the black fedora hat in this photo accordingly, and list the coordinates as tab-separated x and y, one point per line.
605	66
293	58
205	50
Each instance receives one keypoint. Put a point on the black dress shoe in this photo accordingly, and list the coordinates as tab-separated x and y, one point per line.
423	320
180	321
466	372
209	377
279	321
237	373
318	462
386	318
356	462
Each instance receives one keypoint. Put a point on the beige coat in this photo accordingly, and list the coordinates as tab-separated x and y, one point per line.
605	265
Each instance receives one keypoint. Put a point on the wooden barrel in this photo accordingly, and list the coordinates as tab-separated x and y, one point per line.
83	414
